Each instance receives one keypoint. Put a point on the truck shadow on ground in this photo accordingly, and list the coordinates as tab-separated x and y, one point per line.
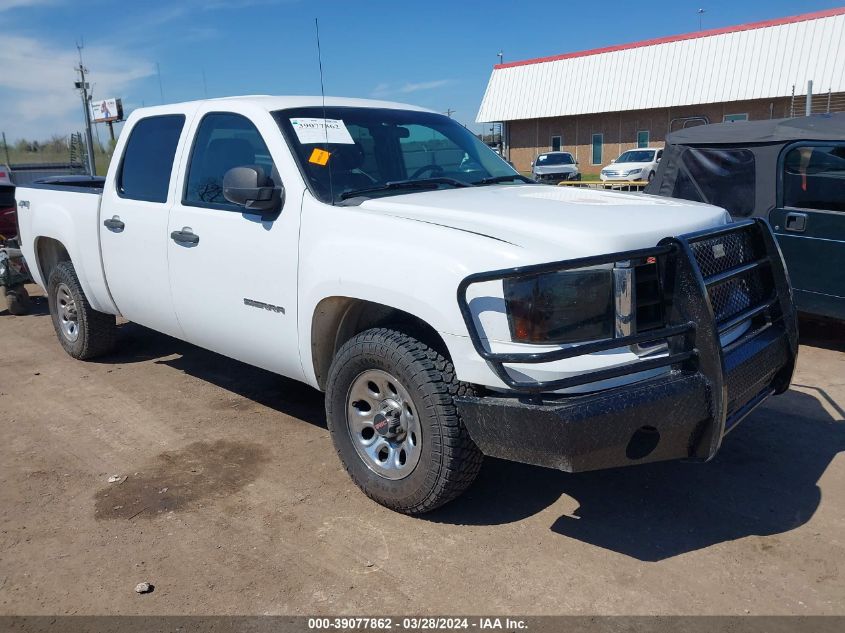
763	481
37	306
138	344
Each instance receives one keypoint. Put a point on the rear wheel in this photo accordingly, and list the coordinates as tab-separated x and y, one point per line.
83	332
394	424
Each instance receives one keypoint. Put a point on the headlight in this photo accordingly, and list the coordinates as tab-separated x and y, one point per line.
564	307
632	172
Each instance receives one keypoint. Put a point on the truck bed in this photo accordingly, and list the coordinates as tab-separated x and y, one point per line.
65	209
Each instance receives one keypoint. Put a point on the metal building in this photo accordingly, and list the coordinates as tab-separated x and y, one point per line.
598	103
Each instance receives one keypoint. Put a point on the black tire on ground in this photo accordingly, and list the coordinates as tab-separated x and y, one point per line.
17	301
96	330
448	459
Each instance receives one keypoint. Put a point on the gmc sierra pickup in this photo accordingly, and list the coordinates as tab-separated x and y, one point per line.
448	307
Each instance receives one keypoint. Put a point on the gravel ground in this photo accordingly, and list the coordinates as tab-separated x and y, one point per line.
233	502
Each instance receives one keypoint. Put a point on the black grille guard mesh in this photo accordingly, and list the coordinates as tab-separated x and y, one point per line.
713	281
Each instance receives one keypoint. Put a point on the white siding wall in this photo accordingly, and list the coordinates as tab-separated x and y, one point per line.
757	63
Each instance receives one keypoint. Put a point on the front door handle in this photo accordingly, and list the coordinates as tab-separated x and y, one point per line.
114	224
795	222
185	236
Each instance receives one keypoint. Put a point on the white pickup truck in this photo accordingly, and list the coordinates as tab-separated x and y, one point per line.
449	307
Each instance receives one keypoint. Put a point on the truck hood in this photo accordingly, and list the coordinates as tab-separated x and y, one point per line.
559	222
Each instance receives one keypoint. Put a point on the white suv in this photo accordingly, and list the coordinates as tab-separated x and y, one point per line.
635	164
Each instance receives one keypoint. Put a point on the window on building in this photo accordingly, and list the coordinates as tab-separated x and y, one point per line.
812	178
556	143
148	158
598	144
723	177
730	118
642	138
223	141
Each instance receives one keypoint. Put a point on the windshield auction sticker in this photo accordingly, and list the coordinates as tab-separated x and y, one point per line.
310	131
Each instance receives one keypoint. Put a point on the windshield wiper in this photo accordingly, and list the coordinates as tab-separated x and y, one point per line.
497	179
424	183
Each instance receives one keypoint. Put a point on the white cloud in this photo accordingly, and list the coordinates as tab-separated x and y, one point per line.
8	5
386	89
37	97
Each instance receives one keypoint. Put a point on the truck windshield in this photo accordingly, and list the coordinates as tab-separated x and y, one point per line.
349	153
636	156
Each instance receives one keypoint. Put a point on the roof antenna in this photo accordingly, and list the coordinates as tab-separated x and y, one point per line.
323	95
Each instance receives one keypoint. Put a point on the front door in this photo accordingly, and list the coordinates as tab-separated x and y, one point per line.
133	223
810	225
233	274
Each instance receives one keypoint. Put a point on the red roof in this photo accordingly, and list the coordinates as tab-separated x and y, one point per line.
678	38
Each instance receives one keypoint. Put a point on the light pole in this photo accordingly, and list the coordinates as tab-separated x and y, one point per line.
701	12
83	86
501	56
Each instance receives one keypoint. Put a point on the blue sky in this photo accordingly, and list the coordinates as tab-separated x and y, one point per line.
435	53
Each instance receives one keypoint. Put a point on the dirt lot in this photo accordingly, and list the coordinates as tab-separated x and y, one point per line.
234	503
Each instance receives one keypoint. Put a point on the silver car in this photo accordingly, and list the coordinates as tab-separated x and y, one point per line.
553	167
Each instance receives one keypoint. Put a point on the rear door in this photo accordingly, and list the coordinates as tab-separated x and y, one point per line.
234	282
810	225
133	222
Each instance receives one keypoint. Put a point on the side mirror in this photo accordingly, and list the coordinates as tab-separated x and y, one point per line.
612	160
250	187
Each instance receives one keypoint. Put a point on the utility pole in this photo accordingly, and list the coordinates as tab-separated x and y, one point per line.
449	112
83	86
6	148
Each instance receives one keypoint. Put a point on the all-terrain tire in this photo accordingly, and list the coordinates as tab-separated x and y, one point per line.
448	461
96	330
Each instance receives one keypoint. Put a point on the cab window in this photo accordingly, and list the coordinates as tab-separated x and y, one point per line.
148	158
224	140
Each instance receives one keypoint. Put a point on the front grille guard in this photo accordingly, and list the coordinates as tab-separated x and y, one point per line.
691	329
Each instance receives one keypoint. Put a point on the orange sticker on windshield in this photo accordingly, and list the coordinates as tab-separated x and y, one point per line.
319	157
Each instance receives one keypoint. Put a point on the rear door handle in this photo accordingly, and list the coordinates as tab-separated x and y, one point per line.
185	236
114	224
795	222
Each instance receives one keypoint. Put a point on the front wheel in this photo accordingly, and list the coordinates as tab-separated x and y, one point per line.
394	424
83	332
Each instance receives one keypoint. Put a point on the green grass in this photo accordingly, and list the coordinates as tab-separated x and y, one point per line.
18	157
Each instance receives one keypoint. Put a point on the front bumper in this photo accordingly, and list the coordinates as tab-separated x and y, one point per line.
620	178
713	282
556	178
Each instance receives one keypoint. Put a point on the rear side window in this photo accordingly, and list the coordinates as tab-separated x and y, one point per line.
148	158
224	140
725	177
814	178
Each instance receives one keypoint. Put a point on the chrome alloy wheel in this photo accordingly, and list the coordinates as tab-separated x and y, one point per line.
382	421
68	317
